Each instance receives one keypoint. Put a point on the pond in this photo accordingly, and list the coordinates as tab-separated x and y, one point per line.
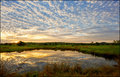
35	60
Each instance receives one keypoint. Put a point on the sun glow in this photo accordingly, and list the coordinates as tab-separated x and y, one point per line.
16	41
4	35
40	37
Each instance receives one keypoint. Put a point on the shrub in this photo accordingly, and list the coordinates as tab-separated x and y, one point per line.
20	43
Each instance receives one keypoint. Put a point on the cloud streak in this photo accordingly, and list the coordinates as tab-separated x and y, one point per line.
59	21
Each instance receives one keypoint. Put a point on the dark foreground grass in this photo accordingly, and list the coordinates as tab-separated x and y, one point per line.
108	51
61	70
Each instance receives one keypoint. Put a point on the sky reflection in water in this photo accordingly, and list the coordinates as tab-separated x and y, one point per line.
30	60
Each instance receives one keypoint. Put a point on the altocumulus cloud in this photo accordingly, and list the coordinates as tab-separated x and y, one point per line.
59	21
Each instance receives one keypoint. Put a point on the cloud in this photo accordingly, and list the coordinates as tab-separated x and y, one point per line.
91	1
69	21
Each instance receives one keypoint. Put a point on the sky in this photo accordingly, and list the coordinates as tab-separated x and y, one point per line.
59	21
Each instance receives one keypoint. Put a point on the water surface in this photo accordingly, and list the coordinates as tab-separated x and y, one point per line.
36	59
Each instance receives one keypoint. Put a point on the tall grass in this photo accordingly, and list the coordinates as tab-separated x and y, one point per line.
66	70
6	69
61	70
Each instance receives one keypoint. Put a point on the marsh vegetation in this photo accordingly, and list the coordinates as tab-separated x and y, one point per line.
66	70
106	50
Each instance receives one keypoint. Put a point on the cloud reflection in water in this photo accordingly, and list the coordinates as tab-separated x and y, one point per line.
30	60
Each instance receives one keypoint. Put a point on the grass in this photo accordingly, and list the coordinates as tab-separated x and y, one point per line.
66	70
99	50
61	70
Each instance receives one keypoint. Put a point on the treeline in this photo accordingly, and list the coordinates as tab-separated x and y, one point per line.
64	43
20	43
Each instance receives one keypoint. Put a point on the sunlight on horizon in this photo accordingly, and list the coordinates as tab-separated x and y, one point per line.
59	21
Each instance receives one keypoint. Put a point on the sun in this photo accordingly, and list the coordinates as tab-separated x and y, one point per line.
16	41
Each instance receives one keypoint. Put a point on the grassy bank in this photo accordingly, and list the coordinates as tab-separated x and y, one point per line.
60	70
65	70
108	51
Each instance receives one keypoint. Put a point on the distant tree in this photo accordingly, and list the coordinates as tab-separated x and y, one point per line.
116	41
92	42
103	43
7	44
20	43
97	43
